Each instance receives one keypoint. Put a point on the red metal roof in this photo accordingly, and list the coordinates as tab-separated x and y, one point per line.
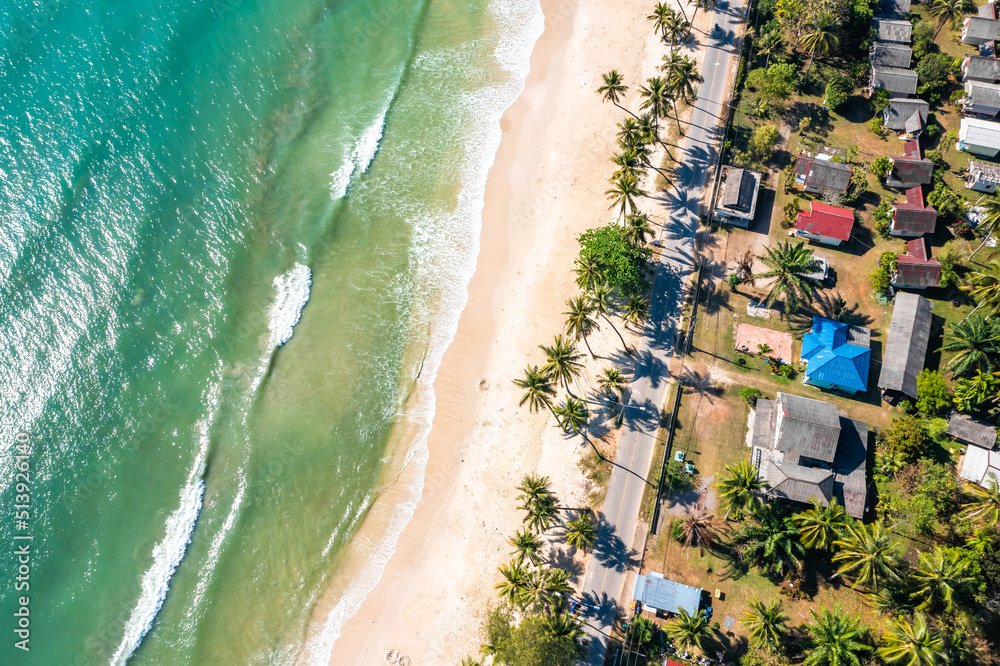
826	220
912	216
917	268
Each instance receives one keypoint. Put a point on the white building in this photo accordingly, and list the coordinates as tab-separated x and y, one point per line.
979	137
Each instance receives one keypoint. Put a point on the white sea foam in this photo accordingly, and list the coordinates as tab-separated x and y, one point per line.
167	555
215	551
445	253
292	295
340	180
361	156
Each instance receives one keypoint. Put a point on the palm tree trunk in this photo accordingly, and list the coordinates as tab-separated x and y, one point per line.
587	342
988	236
665	176
627	350
680	5
973	311
680	130
625	110
811	54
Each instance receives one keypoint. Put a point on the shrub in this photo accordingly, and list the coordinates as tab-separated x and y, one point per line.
947	202
762	141
922	38
624	263
957	96
750	394
677	531
932	393
876	126
791	211
906	406
933	71
883	218
734	280
838	91
905	436
879	100
881	277
881	166
788	178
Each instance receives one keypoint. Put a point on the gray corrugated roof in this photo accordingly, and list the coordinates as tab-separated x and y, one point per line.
886	54
895	80
983	69
987	10
906	344
851	466
894	31
739	188
894	8
806	428
900	111
824	174
981	28
981	93
966	429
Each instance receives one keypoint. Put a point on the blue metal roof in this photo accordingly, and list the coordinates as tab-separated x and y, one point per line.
831	359
658	593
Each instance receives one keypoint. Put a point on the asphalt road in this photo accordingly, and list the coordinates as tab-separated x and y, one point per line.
614	560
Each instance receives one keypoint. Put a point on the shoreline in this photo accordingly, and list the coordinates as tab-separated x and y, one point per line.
556	140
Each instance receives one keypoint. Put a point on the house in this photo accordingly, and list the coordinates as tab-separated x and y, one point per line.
981	466
982	176
894	8
917	269
977	30
837	355
981	99
737	198
805	449
906	117
905	347
979	137
967	430
662	595
912	218
886	54
818	174
910	169
979	68
897	81
823	223
895	31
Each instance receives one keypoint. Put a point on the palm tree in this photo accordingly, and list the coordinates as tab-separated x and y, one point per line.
612	383
946	11
557	583
572	415
637	229
703	4
989	224
514	584
820	526
699	528
985	505
772	544
538	391
834	639
938	574
820	36
656	98
532	489
681	84
977	341
741	489
581	533
613	90
628	163
788	267
565	626
675	28
580	321
636	310
912	644
527	546
744	268
984	287
766	623
972	393
687	630
659	17
562	362
469	661
868	553
624	190
980	542
540	515
600	299
630	134
589	271
770	44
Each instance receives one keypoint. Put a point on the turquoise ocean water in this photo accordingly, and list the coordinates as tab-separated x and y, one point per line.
234	234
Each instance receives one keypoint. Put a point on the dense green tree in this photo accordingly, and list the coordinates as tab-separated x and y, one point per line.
536	641
762	141
835	639
868	554
821	525
776	84
838	91
933	71
740	489
623	265
977	341
932	393
905	436
766	624
788	267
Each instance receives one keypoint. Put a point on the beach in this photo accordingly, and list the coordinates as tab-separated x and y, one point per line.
546	186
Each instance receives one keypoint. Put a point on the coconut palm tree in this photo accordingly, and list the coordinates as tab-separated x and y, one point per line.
601	300
868	553
699	528
938	574
613	90
821	525
539	515
985	505
989	224
681	84
659	17
770	44
589	271
744	268
913	643
538	391
834	639
557	584
741	489
581	533
636	311
637	229
977	341
676	28
980	542
527	546
562	362
469	661
612	383
772	544
984	287
533	488
820	36
630	134
566	627
623	193
514	584
580	320
788	267
686	630
656	98
766	624
946	11
628	163
572	415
